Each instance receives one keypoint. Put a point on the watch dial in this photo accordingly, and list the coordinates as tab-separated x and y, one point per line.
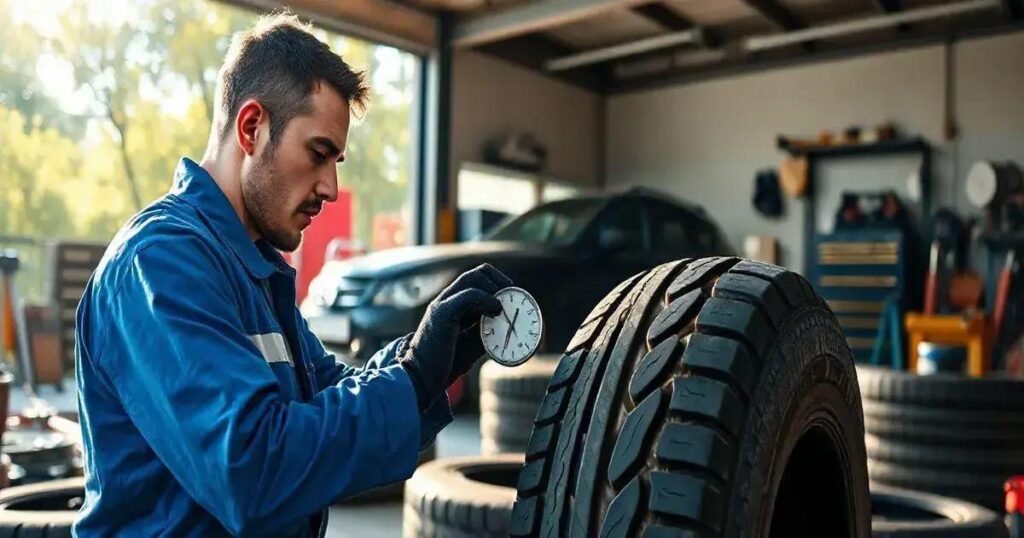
512	336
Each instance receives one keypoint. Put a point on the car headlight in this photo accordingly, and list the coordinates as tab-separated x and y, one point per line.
413	290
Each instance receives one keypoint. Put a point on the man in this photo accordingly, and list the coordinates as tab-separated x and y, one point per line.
207	406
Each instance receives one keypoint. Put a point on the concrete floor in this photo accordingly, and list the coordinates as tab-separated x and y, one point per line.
364	520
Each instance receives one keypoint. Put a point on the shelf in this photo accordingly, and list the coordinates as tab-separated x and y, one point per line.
908	145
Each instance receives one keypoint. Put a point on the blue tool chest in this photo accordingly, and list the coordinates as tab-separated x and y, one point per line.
857	272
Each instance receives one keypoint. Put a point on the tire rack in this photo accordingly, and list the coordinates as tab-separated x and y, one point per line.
73	264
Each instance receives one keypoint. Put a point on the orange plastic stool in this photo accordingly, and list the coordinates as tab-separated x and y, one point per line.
972	331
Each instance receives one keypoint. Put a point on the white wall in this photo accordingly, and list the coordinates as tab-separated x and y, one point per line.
704	141
491	97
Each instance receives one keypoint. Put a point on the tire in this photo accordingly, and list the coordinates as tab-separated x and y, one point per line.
5	471
964	427
509	400
984	488
900	513
942	391
465	497
505	425
44	454
937	456
391	491
951	435
709	398
47	509
955	418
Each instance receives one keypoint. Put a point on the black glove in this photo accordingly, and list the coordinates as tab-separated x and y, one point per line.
444	347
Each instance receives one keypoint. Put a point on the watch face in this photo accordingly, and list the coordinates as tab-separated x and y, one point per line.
512	336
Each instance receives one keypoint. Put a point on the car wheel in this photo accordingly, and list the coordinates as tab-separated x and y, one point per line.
714	397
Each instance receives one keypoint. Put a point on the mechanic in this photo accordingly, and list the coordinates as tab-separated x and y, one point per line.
208	408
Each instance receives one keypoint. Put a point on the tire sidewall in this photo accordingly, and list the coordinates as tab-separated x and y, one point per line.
800	362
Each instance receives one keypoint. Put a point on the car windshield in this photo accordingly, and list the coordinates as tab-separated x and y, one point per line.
553	224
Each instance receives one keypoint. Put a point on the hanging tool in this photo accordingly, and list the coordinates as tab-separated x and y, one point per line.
931	281
1003	291
8	265
15	341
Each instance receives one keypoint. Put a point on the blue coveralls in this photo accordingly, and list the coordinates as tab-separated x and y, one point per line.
207	406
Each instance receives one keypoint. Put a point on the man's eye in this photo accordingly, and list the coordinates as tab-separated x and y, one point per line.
318	158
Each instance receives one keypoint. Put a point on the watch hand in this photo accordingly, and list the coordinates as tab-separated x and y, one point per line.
508	334
504	313
512	324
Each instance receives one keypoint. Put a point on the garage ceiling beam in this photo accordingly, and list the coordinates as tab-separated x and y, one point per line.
782	18
693	36
889	6
663	16
1015	8
536	16
374	20
892	6
531	51
759	43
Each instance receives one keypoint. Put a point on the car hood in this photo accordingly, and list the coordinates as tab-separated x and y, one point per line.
398	261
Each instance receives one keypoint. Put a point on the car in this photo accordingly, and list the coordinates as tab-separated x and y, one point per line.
568	254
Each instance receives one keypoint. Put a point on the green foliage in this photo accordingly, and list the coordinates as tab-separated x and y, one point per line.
148	83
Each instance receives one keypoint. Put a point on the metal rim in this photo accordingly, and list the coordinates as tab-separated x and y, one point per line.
540	322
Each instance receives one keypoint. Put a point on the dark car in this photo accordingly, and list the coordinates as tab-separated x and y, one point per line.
568	254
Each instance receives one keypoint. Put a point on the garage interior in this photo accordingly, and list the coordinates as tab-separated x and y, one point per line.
871	146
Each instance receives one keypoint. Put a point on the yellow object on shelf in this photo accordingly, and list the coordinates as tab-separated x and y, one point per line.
970	330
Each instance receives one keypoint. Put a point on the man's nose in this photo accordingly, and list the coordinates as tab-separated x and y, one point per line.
327	186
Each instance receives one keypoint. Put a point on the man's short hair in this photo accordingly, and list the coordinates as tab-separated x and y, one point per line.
279	63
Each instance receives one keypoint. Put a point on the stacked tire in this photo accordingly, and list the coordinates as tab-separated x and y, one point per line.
465	497
509	399
945	434
472	497
46	509
897	513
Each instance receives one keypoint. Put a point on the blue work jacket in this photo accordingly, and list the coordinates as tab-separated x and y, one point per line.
207	406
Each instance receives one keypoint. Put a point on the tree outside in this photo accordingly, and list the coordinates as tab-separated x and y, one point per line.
100	98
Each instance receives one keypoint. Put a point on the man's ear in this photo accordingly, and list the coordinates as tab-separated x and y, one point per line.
247	125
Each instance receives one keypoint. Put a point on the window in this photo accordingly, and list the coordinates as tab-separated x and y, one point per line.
675	229
554	224
621	225
671	227
100	98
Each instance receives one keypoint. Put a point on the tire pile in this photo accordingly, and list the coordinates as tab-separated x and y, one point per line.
509	399
702	398
472	497
946	434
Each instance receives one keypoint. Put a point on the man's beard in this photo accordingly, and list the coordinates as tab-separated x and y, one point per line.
260	195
